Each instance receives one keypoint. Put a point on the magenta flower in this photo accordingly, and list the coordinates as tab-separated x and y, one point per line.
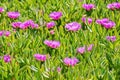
50	24
111	38
89	20
7	58
81	50
106	23
108	38
13	15
52	32
58	69
28	23
86	20
113	6
34	26
73	26
16	24
89	48
40	57
7	33
55	15
1	33
1	10
88	7
70	61
52	43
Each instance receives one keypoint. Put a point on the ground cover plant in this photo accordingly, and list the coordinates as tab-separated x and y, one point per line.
59	40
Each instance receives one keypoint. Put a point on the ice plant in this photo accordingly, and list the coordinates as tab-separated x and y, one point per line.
111	38
40	57
88	7
89	48
1	10
52	32
52	43
50	24
90	20
81	50
70	61
73	26
13	15
7	58
108	24
58	69
28	23
55	15
113	6
86	20
7	33
16	24
1	33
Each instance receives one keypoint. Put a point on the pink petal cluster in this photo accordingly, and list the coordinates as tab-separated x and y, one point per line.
113	6
13	15
50	24
70	61
82	50
5	33
1	10
105	22
55	15
58	69
86	20
52	32
7	58
73	26
52	43
89	48
40	57
88	7
111	38
25	25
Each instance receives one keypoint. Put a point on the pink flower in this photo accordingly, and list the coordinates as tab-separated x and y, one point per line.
89	48
34	26
55	15
50	24
113	6
13	15
88	7
73	26
106	23
16	24
108	38
40	57
89	20
52	32
1	9
86	20
81	50
1	33
52	44
28	23
111	38
58	69
7	33
70	61
7	58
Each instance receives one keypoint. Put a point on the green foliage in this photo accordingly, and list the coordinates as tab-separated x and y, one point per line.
102	63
